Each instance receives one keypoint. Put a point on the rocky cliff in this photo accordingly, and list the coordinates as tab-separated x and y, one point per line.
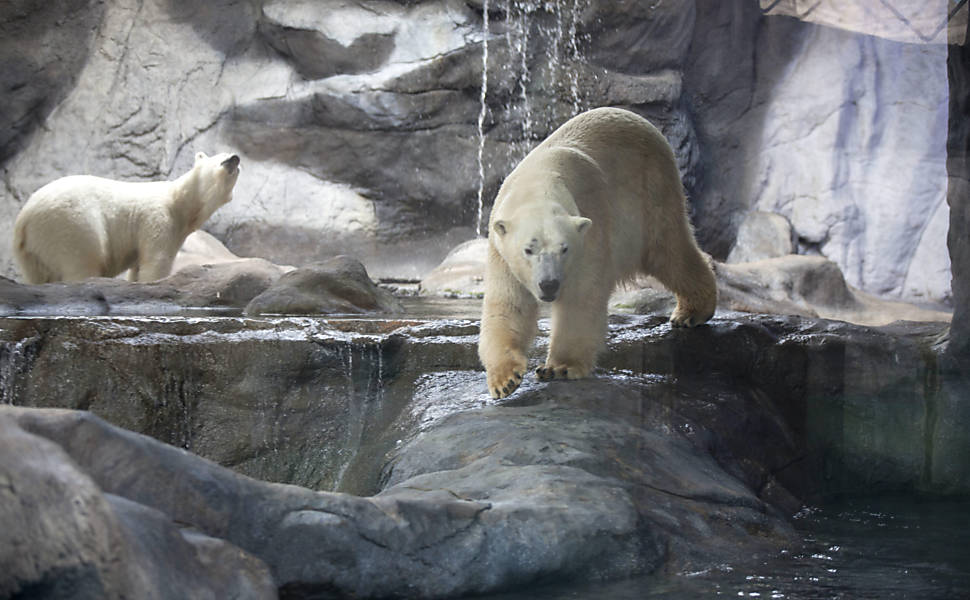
382	129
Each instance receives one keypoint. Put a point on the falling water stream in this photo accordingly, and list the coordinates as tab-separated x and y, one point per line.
482	114
543	91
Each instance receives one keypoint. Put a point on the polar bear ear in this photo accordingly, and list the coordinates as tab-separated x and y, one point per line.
501	227
582	224
199	156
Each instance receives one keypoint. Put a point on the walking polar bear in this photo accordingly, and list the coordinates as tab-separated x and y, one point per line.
83	226
597	202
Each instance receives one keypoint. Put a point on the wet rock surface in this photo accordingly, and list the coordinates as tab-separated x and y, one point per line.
687	447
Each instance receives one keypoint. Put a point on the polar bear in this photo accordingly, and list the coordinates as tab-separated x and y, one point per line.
83	226
597	202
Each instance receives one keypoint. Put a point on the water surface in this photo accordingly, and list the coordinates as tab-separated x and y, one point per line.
874	548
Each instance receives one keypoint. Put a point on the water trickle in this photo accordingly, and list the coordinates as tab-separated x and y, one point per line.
12	357
542	75
482	114
572	47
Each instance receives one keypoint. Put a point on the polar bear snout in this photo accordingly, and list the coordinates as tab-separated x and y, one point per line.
548	276
549	289
231	164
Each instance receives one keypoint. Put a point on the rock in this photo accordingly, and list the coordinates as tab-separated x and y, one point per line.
686	448
65	537
958	199
420	537
810	143
35	81
916	23
359	122
201	248
50	299
809	286
762	235
462	272
230	284
222	285
338	286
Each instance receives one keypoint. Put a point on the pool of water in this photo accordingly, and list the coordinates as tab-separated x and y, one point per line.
874	548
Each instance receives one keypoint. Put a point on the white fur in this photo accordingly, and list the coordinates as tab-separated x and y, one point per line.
84	226
605	186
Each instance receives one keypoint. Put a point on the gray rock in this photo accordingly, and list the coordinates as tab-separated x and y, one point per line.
462	272
65	537
688	447
762	235
958	199
50	299
223	285
202	248
339	285
805	142
38	73
434	535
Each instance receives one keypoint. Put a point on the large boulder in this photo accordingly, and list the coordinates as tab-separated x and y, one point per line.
339	285
65	536
762	235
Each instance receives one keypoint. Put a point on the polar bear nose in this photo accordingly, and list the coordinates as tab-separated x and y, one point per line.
549	288
231	163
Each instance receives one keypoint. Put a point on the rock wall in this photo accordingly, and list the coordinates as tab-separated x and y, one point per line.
958	197
363	129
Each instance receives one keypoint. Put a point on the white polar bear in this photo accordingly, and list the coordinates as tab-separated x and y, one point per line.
597	202
83	226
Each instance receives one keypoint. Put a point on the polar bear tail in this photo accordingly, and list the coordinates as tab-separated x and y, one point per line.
32	267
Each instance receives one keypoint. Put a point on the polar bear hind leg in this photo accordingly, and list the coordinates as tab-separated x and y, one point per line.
686	271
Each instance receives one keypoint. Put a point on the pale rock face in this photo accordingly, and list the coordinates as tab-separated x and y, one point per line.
762	235
853	153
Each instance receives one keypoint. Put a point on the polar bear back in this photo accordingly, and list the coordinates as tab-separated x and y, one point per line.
621	173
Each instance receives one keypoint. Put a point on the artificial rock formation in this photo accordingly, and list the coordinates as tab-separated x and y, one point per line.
359	122
686	448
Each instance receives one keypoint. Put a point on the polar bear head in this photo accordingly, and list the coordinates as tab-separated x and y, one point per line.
213	178
541	248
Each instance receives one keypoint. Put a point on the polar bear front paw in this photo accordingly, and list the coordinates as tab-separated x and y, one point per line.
505	379
548	372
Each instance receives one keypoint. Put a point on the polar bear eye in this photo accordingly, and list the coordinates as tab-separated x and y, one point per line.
528	251
564	249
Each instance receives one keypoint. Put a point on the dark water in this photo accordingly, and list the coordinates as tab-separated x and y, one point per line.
867	549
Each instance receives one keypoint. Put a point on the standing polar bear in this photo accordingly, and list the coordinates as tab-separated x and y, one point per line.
83	226
597	202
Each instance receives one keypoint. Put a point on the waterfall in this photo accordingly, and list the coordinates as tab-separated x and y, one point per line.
482	113
551	30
